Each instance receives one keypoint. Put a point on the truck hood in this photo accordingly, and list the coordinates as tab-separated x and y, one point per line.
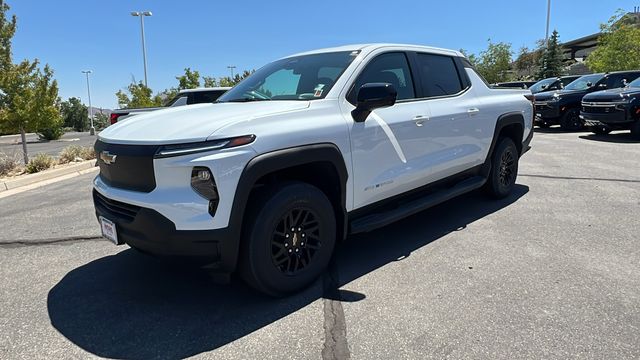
546	96
611	95
191	123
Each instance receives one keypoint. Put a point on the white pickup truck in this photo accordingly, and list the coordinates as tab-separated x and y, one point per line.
309	149
182	98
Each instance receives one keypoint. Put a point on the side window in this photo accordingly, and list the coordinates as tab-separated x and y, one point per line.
438	75
391	68
201	97
181	101
614	81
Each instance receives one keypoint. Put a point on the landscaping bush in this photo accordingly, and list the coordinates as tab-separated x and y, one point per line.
53	133
7	164
39	162
76	153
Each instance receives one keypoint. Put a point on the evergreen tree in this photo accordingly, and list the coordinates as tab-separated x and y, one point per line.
551	61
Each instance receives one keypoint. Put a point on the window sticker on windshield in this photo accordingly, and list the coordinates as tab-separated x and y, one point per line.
318	90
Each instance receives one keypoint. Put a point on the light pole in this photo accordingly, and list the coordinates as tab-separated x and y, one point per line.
546	34
92	130
231	67
142	14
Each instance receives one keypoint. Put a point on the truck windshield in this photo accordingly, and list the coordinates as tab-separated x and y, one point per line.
306	77
635	83
542	85
584	82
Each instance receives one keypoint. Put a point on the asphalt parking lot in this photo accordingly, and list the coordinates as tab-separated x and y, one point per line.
550	273
11	145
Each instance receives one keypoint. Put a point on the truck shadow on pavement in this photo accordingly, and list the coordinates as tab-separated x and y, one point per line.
620	138
132	306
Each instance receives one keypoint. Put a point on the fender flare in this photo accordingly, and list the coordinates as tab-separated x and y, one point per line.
271	162
503	121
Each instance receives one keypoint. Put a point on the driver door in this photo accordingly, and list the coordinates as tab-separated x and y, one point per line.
388	149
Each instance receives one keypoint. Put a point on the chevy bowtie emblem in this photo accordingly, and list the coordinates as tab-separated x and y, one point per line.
107	157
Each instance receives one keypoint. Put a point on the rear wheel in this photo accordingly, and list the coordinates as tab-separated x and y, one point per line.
290	240
504	169
570	121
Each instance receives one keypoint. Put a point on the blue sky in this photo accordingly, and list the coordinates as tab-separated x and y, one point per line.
207	35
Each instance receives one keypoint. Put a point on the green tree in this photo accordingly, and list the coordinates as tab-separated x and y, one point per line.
190	79
210	81
74	114
550	63
618	46
526	64
494	63
100	120
31	100
138	95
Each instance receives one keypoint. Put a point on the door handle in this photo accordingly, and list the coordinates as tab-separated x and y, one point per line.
473	111
420	119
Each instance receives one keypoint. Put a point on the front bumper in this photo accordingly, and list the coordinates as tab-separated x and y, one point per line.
547	110
149	231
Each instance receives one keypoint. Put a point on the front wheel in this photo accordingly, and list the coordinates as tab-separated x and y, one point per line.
600	130
290	239
570	121
504	169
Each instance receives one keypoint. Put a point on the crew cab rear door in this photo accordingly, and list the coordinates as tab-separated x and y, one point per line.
457	119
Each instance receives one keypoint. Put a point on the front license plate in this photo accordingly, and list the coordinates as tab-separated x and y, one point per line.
109	230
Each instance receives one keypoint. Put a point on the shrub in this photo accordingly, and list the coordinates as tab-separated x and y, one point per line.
39	162
53	133
76	153
7	164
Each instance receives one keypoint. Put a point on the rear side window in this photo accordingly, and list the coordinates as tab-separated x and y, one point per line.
202	97
438	75
390	68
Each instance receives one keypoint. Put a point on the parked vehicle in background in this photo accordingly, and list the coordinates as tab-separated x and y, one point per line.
563	107
514	84
308	149
617	109
553	83
184	97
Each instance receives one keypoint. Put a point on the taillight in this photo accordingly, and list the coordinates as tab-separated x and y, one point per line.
114	117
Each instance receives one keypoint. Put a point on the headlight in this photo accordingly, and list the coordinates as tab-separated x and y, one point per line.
203	146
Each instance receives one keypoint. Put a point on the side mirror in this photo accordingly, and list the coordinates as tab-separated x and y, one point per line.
373	96
589	84
544	87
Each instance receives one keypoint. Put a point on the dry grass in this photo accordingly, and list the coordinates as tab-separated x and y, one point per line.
39	163
76	153
8	165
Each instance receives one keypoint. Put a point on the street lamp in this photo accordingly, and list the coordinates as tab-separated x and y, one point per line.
231	67
142	14
92	130
546	34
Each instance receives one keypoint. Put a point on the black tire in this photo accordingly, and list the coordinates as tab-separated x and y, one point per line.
635	130
504	169
276	260
571	121
600	130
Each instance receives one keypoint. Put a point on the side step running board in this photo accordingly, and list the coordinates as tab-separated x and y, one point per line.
377	220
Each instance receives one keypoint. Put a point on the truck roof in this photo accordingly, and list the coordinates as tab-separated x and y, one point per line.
373	46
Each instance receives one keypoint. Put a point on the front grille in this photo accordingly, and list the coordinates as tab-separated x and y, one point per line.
599	109
129	167
117	209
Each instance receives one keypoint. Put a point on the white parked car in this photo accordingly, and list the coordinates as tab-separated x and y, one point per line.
307	150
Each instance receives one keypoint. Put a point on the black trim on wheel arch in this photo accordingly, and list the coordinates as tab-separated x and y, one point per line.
271	162
505	120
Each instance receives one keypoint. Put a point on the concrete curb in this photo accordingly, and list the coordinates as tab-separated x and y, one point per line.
30	179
